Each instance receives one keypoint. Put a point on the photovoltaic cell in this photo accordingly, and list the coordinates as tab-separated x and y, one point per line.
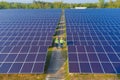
27	67
93	40
38	67
5	67
83	57
93	58
108	68
85	67
96	67
80	49
16	67
103	57
74	67
72	57
21	57
25	36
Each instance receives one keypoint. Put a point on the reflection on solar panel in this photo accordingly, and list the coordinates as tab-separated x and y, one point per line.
25	36
93	39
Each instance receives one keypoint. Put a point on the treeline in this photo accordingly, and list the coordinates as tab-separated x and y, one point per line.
38	4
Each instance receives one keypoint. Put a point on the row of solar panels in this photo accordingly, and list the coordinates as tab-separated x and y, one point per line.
92	50
93	40
25	36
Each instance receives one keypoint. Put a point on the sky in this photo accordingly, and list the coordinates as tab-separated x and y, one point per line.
66	1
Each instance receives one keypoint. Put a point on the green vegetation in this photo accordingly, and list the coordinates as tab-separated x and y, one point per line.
39	4
101	4
48	59
22	76
67	77
92	77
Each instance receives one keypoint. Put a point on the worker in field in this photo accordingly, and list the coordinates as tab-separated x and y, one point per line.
56	42
62	42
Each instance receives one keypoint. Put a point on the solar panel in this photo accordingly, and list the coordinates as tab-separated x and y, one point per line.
25	36
94	58
93	40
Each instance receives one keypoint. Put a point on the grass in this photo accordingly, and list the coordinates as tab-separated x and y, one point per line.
48	58
67	77
118	76
22	76
93	77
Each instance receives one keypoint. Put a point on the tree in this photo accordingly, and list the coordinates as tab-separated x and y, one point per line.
40	4
111	2
57	4
118	3
47	5
4	5
101	4
110	5
14	5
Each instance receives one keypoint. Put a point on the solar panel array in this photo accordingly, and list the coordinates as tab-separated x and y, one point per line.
93	40
25	36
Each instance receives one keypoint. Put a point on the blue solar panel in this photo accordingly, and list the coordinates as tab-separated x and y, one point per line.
25	36
93	40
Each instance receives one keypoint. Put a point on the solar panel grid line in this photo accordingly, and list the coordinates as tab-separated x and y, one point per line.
79	39
13	61
4	61
24	61
20	27
15	68
30	62
106	43
116	53
21	37
110	62
33	39
26	68
112	40
14	39
6	49
74	67
99	62
98	39
78	62
34	63
85	40
72	36
116	37
88	59
92	38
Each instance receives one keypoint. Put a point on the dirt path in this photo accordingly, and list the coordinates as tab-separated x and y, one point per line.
55	69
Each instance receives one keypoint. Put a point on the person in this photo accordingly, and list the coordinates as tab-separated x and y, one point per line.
56	42
62	42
